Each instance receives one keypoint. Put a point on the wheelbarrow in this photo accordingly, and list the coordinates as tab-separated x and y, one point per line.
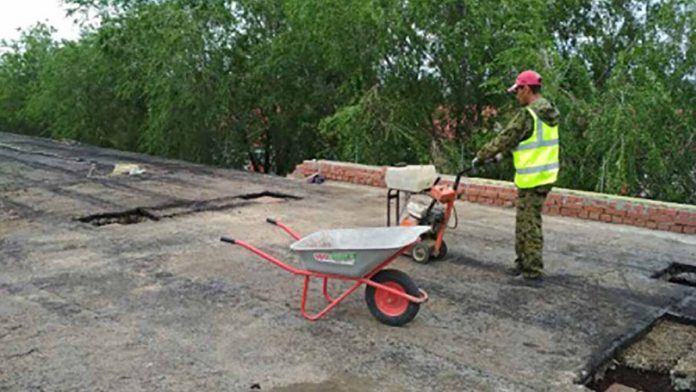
359	255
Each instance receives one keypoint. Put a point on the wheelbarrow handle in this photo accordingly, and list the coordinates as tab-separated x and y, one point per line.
265	255
288	230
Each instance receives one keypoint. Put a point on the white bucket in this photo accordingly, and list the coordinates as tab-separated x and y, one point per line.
413	178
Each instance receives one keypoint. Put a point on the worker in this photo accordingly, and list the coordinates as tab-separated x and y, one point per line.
532	137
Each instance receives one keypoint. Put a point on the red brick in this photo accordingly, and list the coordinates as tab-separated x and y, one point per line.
473	191
599	203
569	212
676	229
583	214
689	230
605	217
574	200
615	212
594	215
623	206
685	218
662	218
664	226
554	199
554	210
633	215
594	209
617	219
651	225
667	211
507	196
472	198
654	211
638	208
489	194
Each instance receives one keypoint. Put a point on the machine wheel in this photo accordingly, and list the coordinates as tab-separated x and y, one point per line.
443	251
421	252
389	308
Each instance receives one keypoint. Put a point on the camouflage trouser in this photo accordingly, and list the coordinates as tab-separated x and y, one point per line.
529	238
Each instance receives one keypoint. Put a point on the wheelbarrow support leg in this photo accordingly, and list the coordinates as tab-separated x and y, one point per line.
330	305
325	289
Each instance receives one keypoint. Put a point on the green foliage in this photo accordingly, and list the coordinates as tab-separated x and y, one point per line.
270	83
19	74
372	130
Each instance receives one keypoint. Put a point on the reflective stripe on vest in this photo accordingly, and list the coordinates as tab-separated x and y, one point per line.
536	159
539	169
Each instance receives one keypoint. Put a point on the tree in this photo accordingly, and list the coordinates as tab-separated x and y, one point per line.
270	83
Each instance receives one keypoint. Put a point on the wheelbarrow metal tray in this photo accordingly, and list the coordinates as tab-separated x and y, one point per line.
353	252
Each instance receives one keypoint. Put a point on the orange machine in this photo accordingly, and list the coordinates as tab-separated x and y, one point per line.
436	214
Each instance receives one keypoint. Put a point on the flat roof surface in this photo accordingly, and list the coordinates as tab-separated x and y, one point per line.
164	305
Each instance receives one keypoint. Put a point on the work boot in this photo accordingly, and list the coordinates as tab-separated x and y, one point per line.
516	270
535	281
513	271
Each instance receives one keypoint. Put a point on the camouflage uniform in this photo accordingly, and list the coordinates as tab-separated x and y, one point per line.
529	240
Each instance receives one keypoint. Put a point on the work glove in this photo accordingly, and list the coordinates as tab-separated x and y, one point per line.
474	163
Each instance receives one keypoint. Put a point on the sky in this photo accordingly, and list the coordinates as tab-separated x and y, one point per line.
24	13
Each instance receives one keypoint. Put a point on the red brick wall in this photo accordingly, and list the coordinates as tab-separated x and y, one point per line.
346	172
678	218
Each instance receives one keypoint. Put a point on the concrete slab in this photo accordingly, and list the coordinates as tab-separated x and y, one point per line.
660	350
163	305
620	388
684	373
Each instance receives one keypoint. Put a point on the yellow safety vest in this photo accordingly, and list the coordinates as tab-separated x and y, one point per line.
536	159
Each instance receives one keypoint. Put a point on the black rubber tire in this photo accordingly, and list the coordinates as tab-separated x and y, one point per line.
400	278
421	252
443	251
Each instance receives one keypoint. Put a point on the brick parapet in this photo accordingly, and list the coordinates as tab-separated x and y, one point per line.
677	218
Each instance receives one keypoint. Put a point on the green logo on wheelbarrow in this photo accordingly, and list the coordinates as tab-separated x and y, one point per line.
344	258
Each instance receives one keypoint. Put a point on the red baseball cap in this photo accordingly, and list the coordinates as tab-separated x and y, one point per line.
526	78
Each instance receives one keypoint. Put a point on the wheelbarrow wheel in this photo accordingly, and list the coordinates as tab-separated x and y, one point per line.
421	252
389	308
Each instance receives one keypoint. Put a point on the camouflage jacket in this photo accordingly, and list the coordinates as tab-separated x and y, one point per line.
520	128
